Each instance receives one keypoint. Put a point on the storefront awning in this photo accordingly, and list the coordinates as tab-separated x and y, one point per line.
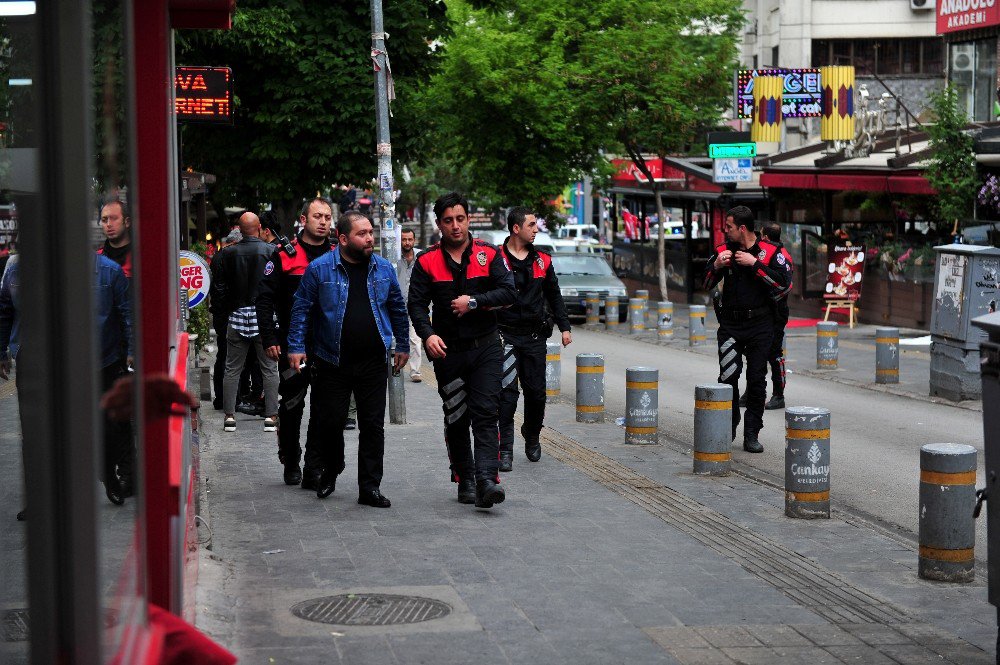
859	182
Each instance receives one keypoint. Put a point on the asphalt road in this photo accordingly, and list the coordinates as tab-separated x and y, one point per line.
876	437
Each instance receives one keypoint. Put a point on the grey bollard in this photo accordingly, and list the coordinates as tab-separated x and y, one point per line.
807	462
947	500
397	392
589	388
713	429
593	308
827	345
611	313
887	355
665	319
696	327
643	295
636	321
652	315
641	405
553	369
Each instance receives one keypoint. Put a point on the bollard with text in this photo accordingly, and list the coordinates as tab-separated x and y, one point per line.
636	318
807	462
611	313
713	422
589	388
947	502
887	355
696	326
553	368
643	295
827	345
641	405
665	319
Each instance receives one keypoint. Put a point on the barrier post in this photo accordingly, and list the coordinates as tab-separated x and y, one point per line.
553	351
887	355
827	344
713	423
665	319
696	326
636	319
589	388
807	462
947	500
641	405
611	313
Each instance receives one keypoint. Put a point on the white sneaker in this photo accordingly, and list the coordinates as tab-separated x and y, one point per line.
271	424
230	424
415	376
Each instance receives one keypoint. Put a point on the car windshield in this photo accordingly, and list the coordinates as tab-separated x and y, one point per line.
581	265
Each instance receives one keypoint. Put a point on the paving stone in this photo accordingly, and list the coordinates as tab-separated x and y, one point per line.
876	635
779	656
701	657
860	655
677	637
728	636
777	636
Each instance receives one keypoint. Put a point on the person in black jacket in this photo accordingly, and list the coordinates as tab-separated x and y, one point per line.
465	279
525	328
274	310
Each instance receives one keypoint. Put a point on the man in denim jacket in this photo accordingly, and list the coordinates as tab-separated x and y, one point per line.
346	311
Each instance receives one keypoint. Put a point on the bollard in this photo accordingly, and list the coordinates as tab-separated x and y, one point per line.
827	347
887	355
807	462
589	388
641	404
553	368
652	315
665	319
643	295
397	391
713	425
636	307
611	313
593	308
947	500
696	327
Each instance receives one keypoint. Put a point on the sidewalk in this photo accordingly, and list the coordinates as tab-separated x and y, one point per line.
602	553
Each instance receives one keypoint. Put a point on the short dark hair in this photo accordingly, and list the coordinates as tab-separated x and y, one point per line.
742	216
269	221
322	199
516	216
121	204
402	231
345	223
450	200
772	231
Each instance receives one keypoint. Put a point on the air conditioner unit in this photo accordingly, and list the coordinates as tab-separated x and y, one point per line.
921	5
962	58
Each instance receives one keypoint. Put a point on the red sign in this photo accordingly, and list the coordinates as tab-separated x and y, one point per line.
628	172
959	15
203	94
847	265
671	177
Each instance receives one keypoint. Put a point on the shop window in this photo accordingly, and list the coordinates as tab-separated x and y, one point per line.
972	73
885	57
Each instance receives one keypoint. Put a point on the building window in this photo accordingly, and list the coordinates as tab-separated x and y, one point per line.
972	70
884	57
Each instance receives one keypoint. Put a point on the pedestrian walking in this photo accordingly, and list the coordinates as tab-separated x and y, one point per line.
346	311
466	280
525	326
776	357
241	269
10	307
404	268
117	227
274	312
220	316
754	277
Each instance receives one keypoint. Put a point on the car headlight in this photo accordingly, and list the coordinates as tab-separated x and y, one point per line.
569	292
617	292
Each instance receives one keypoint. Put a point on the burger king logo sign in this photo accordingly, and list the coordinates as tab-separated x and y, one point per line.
195	278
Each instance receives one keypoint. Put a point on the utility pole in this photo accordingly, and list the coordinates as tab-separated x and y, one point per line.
384	185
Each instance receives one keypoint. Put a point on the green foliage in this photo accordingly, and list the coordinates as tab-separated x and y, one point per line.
952	169
304	104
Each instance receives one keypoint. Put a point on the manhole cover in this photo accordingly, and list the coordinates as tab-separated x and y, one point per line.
14	627
370	609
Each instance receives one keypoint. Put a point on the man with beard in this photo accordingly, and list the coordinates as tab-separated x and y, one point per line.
465	279
346	311
275	302
117	227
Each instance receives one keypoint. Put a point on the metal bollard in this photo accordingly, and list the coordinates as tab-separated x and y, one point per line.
665	319
887	355
947	499
397	392
553	368
611	313
713	425
593	308
827	346
652	315
636	321
641	404
696	326
807	462
643	295
589	388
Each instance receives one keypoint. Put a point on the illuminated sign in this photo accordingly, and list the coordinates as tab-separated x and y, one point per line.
203	94
195	277
802	96
958	15
732	150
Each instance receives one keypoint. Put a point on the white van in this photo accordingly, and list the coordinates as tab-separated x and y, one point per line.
577	232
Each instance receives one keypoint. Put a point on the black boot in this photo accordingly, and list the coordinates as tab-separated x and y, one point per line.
506	460
743	401
751	444
327	484
467	491
488	493
776	402
113	490
310	479
532	446
293	476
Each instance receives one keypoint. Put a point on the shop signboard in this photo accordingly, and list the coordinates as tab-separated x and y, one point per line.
960	15
802	96
732	170
8	223
844	272
203	94
196	278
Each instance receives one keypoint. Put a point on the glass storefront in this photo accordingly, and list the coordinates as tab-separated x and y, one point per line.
972	71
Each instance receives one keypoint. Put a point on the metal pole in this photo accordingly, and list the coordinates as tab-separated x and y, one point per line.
947	501
383	184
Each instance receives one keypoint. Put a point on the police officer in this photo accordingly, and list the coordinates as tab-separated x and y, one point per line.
776	358
755	277
465	279
525	327
274	301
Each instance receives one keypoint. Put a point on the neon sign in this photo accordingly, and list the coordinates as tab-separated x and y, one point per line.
203	94
802	96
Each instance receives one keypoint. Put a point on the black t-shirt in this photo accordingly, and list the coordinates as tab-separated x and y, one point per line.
360	339
313	252
117	254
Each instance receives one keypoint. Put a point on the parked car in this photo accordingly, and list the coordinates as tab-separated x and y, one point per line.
584	233
543	242
582	273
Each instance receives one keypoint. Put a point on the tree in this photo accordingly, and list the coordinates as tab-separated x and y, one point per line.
304	105
952	167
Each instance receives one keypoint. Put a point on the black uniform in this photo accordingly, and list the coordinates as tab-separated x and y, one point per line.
469	375
275	302
776	356
525	326
746	311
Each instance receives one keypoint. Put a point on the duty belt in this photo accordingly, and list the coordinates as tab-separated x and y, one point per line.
521	330
473	343
744	314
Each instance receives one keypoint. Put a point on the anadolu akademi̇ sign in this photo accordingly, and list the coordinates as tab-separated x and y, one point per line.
958	15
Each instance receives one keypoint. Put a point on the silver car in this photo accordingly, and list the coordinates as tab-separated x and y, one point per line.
580	274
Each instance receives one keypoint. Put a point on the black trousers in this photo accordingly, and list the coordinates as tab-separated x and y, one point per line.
524	364
332	386
292	388
753	340
469	385
776	356
119	451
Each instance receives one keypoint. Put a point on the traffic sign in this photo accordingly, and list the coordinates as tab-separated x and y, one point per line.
732	150
732	170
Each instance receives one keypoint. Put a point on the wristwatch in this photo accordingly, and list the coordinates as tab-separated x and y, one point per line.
472	303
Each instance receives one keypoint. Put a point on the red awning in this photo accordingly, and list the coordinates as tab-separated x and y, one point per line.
858	182
910	184
788	180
